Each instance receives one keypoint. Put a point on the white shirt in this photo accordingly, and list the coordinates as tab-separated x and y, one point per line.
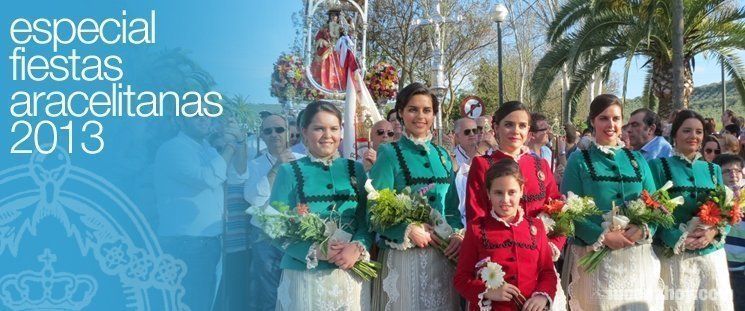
547	155
189	177
461	156
461	180
257	189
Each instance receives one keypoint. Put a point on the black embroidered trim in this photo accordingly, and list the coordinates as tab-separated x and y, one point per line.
541	186
410	181
509	242
331	198
305	199
688	189
711	169
622	178
666	169
300	182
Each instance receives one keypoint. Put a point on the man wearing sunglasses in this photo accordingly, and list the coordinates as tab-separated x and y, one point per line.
264	260
382	132
466	143
538	137
645	135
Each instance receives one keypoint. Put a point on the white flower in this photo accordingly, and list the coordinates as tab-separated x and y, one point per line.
372	194
729	196
492	275
548	222
637	205
615	222
679	200
666	186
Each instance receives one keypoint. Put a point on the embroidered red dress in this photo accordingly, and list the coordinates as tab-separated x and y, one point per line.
521	248
540	186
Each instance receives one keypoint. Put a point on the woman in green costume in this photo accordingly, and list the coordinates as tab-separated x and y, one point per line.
416	276
330	186
698	268
628	277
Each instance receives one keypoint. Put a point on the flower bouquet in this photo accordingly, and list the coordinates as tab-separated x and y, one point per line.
656	208
723	207
389	208
382	81
288	81
493	276
559	216
285	226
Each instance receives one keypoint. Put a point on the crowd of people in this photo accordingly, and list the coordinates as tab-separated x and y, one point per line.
490	180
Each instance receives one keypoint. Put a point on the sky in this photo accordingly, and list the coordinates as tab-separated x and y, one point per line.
268	32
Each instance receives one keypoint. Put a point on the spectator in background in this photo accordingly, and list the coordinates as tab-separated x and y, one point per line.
567	145
487	141
466	140
624	137
235	270
381	133
392	117
734	246
711	148
730	144
587	132
538	138
299	146
728	117
264	263
732	129
668	125
710	127
645	135
189	178
294	133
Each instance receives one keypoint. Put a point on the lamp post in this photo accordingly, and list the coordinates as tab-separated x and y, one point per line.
437	85
500	13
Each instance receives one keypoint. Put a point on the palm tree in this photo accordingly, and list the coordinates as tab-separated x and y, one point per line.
588	36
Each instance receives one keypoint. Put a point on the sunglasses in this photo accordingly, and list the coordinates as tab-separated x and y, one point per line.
469	132
715	151
294	135
383	132
540	130
269	130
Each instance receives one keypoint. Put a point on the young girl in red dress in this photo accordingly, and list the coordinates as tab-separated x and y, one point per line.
515	241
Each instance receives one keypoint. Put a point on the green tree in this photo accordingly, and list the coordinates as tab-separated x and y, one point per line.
588	36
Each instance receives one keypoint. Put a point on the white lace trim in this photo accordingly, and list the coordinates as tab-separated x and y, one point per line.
389	284
519	216
598	245
647	238
555	251
550	301
722	236
406	244
610	150
522	151
696	156
484	304
424	142
325	161
680	246
311	259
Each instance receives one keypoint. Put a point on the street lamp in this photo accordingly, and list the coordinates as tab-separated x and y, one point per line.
437	85
500	13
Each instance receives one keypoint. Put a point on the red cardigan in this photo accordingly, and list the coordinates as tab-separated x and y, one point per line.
540	186
525	258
